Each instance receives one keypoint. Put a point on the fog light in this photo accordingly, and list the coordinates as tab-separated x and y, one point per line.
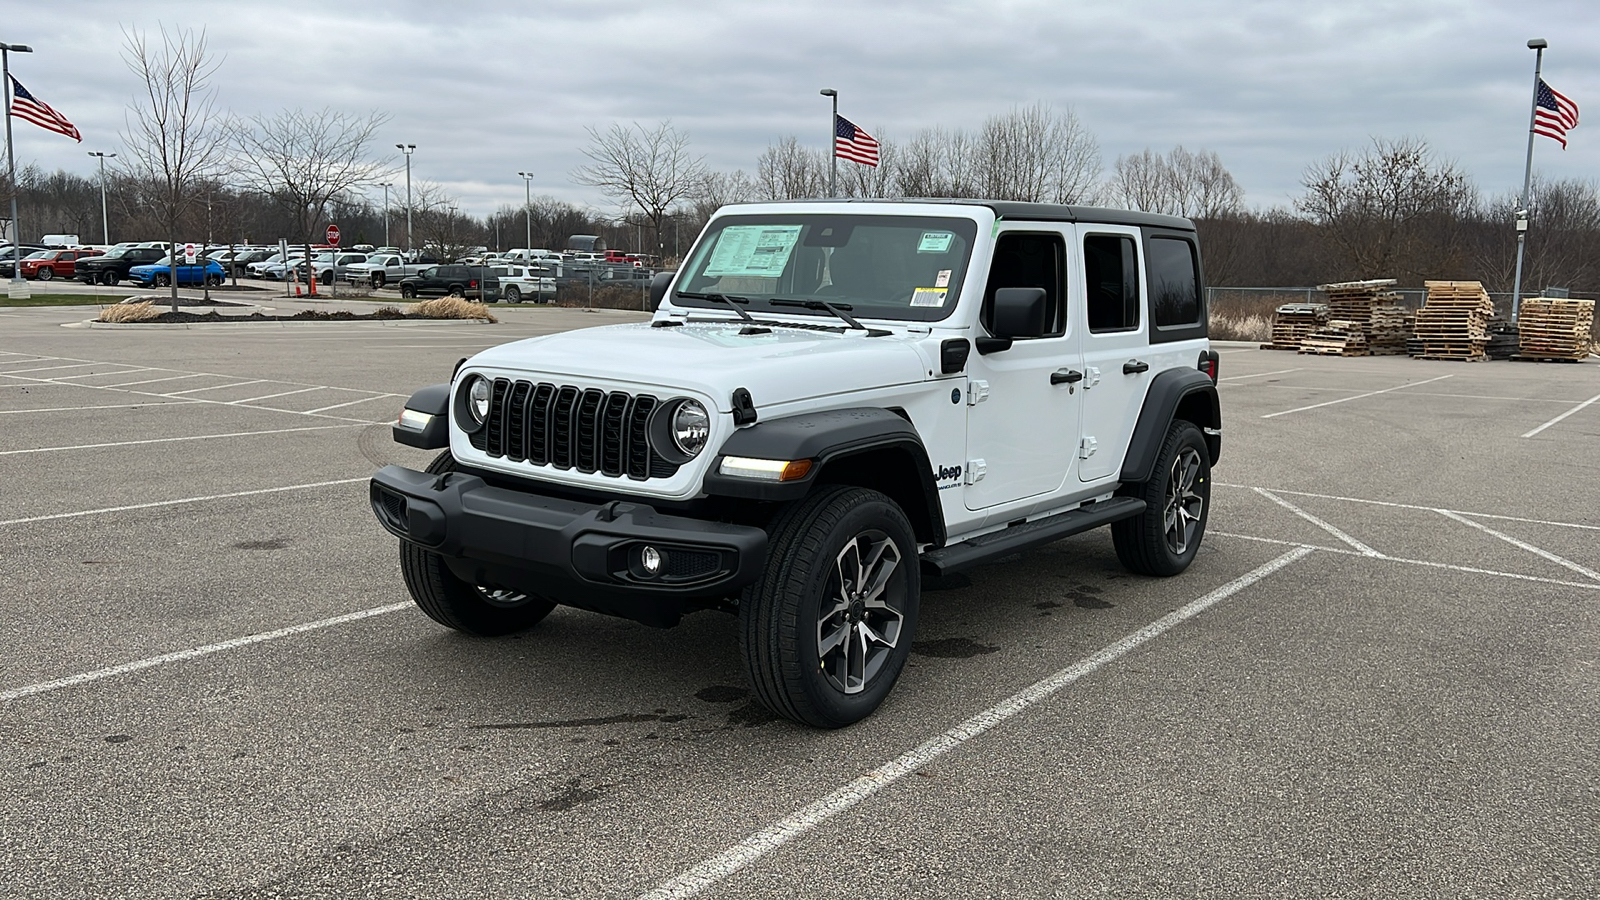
650	561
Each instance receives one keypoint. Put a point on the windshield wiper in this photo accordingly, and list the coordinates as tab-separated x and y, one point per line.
733	302
753	327
838	309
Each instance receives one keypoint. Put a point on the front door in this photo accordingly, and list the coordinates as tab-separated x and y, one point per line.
1115	344
1022	417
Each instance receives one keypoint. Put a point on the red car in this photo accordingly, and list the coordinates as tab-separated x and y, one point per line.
49	264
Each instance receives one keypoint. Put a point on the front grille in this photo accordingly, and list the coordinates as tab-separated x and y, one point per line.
568	427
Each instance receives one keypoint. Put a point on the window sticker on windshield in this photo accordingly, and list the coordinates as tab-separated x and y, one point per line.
942	279
933	297
935	242
761	250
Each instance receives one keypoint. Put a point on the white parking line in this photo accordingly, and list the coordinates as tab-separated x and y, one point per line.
175	440
805	820
1258	375
145	405
54	368
1357	396
159	503
1523	545
1475	515
196	652
352	403
1365	550
280	394
215	387
1562	416
130	370
124	384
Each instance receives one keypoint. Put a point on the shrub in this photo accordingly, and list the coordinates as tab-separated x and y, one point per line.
450	308
129	312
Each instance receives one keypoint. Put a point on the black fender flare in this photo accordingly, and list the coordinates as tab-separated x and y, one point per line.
434	401
1170	390
830	438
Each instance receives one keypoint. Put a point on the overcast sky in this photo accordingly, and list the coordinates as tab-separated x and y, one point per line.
485	92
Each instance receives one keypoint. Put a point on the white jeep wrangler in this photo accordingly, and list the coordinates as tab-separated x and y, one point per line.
832	399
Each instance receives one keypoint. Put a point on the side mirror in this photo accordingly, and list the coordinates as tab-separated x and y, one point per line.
658	289
1020	313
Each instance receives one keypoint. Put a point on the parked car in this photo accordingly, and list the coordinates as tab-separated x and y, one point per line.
239	263
6	267
471	282
114	265
159	273
54	263
518	282
278	271
382	268
329	265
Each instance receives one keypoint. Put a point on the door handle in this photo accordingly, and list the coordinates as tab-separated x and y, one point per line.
1134	367
1066	376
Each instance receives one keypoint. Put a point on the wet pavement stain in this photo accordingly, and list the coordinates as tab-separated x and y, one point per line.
751	715
721	693
572	796
118	738
956	582
952	648
1048	604
582	723
269	544
1082	596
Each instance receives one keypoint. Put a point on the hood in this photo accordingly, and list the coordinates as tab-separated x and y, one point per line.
784	365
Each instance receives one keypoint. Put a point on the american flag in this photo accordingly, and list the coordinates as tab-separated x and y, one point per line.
850	142
1553	114
24	106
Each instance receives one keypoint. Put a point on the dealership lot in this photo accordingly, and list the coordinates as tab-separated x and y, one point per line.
1380	676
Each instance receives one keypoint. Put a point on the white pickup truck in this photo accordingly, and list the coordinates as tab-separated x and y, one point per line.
382	268
519	281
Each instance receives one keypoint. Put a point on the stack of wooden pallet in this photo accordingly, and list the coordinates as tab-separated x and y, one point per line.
1555	329
1292	322
1454	321
1339	337
1374	309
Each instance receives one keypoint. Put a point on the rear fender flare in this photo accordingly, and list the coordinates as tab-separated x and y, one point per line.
1188	390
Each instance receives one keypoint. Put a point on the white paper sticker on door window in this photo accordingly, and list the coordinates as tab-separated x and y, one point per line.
760	250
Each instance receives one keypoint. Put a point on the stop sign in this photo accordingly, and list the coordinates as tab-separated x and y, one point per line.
333	235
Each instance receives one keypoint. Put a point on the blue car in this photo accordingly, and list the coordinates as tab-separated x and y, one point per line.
159	273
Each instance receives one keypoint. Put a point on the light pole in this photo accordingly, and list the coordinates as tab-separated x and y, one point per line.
386	187
11	160
833	136
527	207
1537	45
105	223
408	149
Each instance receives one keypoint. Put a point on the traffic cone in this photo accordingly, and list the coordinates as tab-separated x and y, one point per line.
312	290
297	289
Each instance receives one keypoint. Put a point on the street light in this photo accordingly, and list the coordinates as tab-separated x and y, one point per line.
407	149
386	187
1537	45
11	160
105	223
833	136
527	207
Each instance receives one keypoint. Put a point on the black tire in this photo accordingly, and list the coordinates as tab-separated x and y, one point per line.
457	604
513	295
377	279
408	291
1164	538
805	587
46	273
109	279
214	280
457	290
325	278
161	279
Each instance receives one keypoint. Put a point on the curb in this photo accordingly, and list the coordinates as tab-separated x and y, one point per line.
173	326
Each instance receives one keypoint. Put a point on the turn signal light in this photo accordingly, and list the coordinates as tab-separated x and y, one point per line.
765	469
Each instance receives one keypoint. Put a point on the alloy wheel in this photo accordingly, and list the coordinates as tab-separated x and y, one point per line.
859	623
1183	508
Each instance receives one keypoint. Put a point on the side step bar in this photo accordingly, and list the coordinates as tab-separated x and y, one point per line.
1017	538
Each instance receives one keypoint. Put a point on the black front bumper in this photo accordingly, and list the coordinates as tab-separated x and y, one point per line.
582	554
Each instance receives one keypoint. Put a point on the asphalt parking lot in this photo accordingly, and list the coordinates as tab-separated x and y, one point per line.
1380	677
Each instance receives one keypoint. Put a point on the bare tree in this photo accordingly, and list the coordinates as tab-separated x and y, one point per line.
305	161
788	170
1393	209
858	180
1181	183
650	169
173	138
1037	154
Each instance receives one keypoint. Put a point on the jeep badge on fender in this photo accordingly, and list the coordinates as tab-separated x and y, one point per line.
764	444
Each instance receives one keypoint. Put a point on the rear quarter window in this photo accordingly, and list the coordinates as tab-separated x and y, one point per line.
1177	304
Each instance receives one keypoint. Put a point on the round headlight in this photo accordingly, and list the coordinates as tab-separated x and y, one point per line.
691	427
478	399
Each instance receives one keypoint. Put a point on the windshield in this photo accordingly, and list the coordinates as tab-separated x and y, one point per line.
907	268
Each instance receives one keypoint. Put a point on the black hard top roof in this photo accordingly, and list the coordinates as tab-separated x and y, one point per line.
1032	212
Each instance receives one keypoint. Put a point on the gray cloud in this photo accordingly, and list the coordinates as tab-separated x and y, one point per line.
486	92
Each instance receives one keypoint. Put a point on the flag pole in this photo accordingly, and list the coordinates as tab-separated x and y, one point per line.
833	138
11	165
1537	45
